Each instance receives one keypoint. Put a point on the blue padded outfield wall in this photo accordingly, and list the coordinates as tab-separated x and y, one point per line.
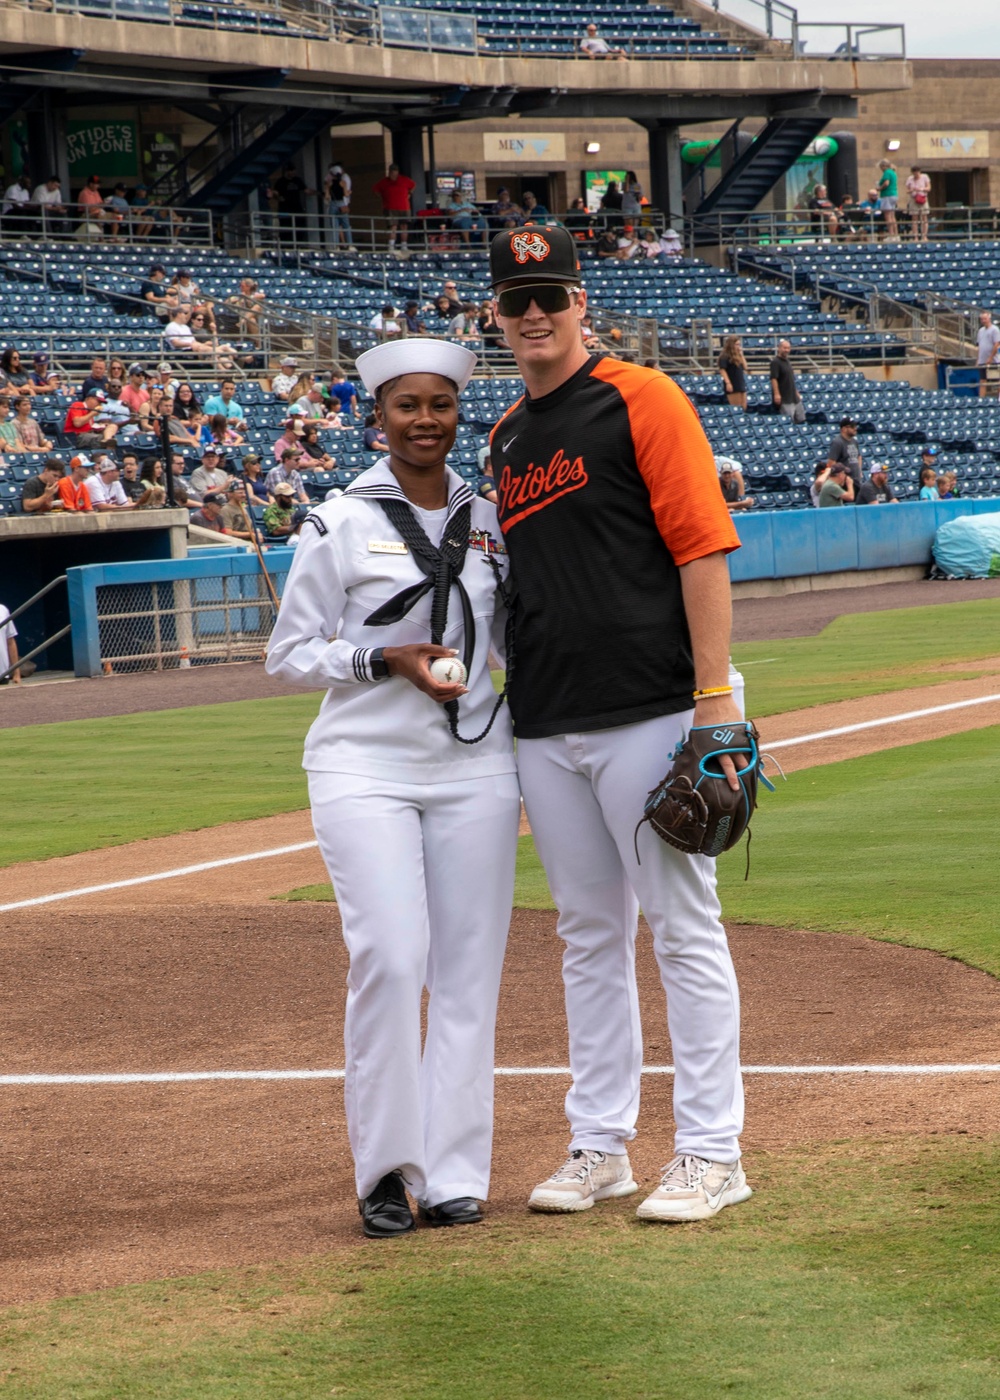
794	543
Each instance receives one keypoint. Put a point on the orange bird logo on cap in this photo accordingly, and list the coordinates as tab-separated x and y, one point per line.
529	245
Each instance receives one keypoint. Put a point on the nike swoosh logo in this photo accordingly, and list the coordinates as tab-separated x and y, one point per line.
713	1201
506	445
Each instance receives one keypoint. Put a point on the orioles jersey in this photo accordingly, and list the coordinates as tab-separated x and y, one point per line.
605	488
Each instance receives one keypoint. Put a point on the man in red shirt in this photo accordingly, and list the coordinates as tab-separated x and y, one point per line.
80	421
394	191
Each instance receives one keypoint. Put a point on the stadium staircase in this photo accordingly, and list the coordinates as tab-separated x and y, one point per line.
753	174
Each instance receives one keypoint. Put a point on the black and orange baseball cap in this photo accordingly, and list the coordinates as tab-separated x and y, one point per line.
524	255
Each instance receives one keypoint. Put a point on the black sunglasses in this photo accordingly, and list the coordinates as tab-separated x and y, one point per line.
548	297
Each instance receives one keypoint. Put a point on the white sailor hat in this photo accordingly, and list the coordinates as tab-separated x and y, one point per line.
416	354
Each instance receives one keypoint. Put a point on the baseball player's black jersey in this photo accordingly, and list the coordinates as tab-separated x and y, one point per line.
605	487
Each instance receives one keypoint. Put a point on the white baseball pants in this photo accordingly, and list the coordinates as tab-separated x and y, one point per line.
424	877
584	794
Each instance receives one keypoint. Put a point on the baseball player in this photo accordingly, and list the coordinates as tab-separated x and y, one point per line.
416	822
610	508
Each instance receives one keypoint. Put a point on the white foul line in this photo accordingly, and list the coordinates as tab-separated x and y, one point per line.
874	723
308	845
502	1072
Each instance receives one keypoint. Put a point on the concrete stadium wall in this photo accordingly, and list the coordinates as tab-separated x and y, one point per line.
804	543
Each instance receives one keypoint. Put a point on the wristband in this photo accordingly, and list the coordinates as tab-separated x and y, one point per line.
710	691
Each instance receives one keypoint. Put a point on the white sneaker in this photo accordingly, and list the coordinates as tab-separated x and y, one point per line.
584	1177
692	1188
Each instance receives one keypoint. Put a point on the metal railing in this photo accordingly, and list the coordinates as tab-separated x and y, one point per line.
762	228
158	225
403	28
49	641
772	19
346	21
851	41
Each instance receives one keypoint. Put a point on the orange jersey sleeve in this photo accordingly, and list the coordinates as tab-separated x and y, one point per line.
676	462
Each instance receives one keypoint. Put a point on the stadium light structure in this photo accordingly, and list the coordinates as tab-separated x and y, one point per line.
592	148
893	145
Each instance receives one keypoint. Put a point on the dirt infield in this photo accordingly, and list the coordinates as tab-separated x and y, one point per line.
111	1184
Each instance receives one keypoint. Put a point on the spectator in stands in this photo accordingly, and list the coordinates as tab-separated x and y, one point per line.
299	390
118	206
91	207
444	308
287	377
876	490
211	475
155	291
15	380
188	293
844	448
888	198
17	195
848	216
218	429
226	402
410	322
313	409
48	198
314	454
8	648
186	405
733	368
247	303
291	437
486	485
504	209
131	484
140	206
632	196
784	390
579	220
734	491
825	214
462	325
209	515
988	349
286	475
149	414
39	493
629	247
385	322
342	389
8	436
81	421
670	243
117	370
154	493
289	191
114	411
374	439
928	485
29	434
611	205
41	380
838	489
593	46
607	245
588	333
97	378
184	494
234	515
106	491
179	433
467	218
947	485
486	323
395	190
534	213
821	474
649	243
337	197
279	519
873	215
73	491
180	336
918	187
253	476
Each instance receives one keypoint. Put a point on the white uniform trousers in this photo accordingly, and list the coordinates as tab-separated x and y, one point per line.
424	877
584	794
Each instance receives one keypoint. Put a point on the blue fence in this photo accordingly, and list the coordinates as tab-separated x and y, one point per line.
157	615
794	543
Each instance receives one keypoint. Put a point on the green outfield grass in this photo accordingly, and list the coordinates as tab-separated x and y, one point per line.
868	653
882	845
859	1271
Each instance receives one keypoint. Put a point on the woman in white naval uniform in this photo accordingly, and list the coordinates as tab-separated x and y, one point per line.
417	825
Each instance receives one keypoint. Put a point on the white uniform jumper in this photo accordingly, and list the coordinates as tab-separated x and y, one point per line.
418	832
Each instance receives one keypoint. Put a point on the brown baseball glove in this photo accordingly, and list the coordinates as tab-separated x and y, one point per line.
694	808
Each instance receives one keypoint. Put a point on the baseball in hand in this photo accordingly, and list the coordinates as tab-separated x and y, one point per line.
448	670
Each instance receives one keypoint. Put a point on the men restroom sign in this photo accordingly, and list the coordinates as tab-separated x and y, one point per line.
503	148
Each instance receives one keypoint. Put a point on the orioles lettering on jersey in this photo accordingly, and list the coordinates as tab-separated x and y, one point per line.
529	245
537	487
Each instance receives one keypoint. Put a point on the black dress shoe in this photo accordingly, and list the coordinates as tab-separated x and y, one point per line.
463	1210
385	1212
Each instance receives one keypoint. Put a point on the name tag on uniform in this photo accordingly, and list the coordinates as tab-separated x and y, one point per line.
387	547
